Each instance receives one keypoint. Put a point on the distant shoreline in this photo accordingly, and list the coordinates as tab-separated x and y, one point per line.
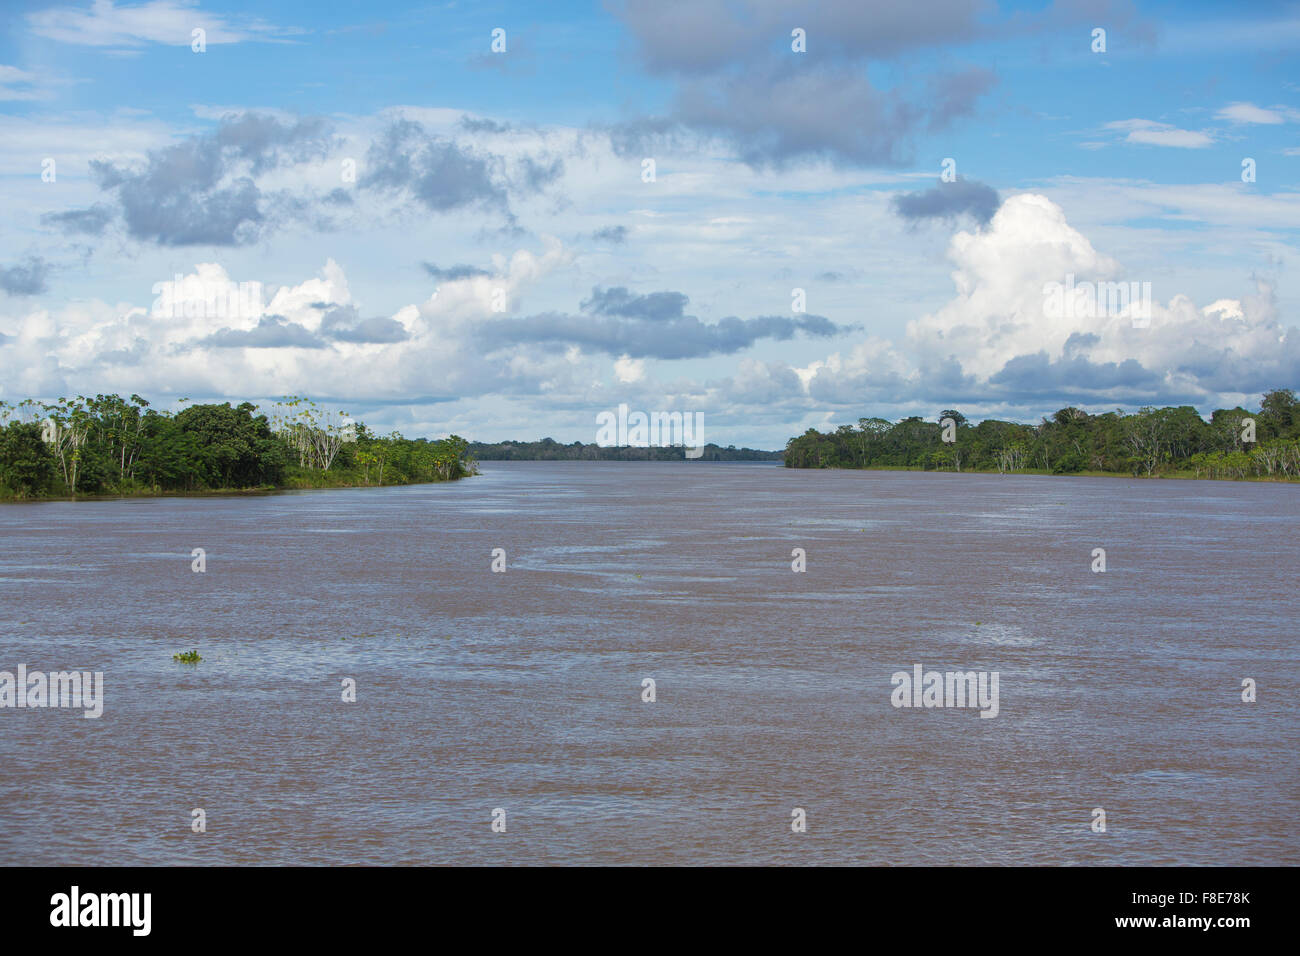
548	449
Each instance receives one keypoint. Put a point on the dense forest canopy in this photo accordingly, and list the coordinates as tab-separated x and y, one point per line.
1234	443
111	445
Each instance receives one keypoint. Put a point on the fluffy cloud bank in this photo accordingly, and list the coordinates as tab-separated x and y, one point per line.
1004	340
997	346
211	335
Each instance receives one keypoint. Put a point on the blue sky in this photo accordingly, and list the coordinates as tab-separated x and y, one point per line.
498	266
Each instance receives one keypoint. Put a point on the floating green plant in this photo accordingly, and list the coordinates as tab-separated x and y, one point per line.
188	657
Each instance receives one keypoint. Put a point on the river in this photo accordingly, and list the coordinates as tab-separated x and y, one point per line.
522	691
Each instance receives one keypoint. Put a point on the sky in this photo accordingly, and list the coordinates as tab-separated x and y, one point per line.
499	220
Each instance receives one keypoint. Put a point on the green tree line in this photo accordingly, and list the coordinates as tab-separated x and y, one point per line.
548	449
1233	443
109	445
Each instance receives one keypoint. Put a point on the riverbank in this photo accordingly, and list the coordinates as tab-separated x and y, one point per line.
1043	472
302	480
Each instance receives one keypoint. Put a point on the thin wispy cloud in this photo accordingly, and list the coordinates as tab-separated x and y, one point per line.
17	85
1151	133
1249	113
104	23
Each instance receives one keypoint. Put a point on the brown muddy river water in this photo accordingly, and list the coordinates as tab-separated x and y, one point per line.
774	690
